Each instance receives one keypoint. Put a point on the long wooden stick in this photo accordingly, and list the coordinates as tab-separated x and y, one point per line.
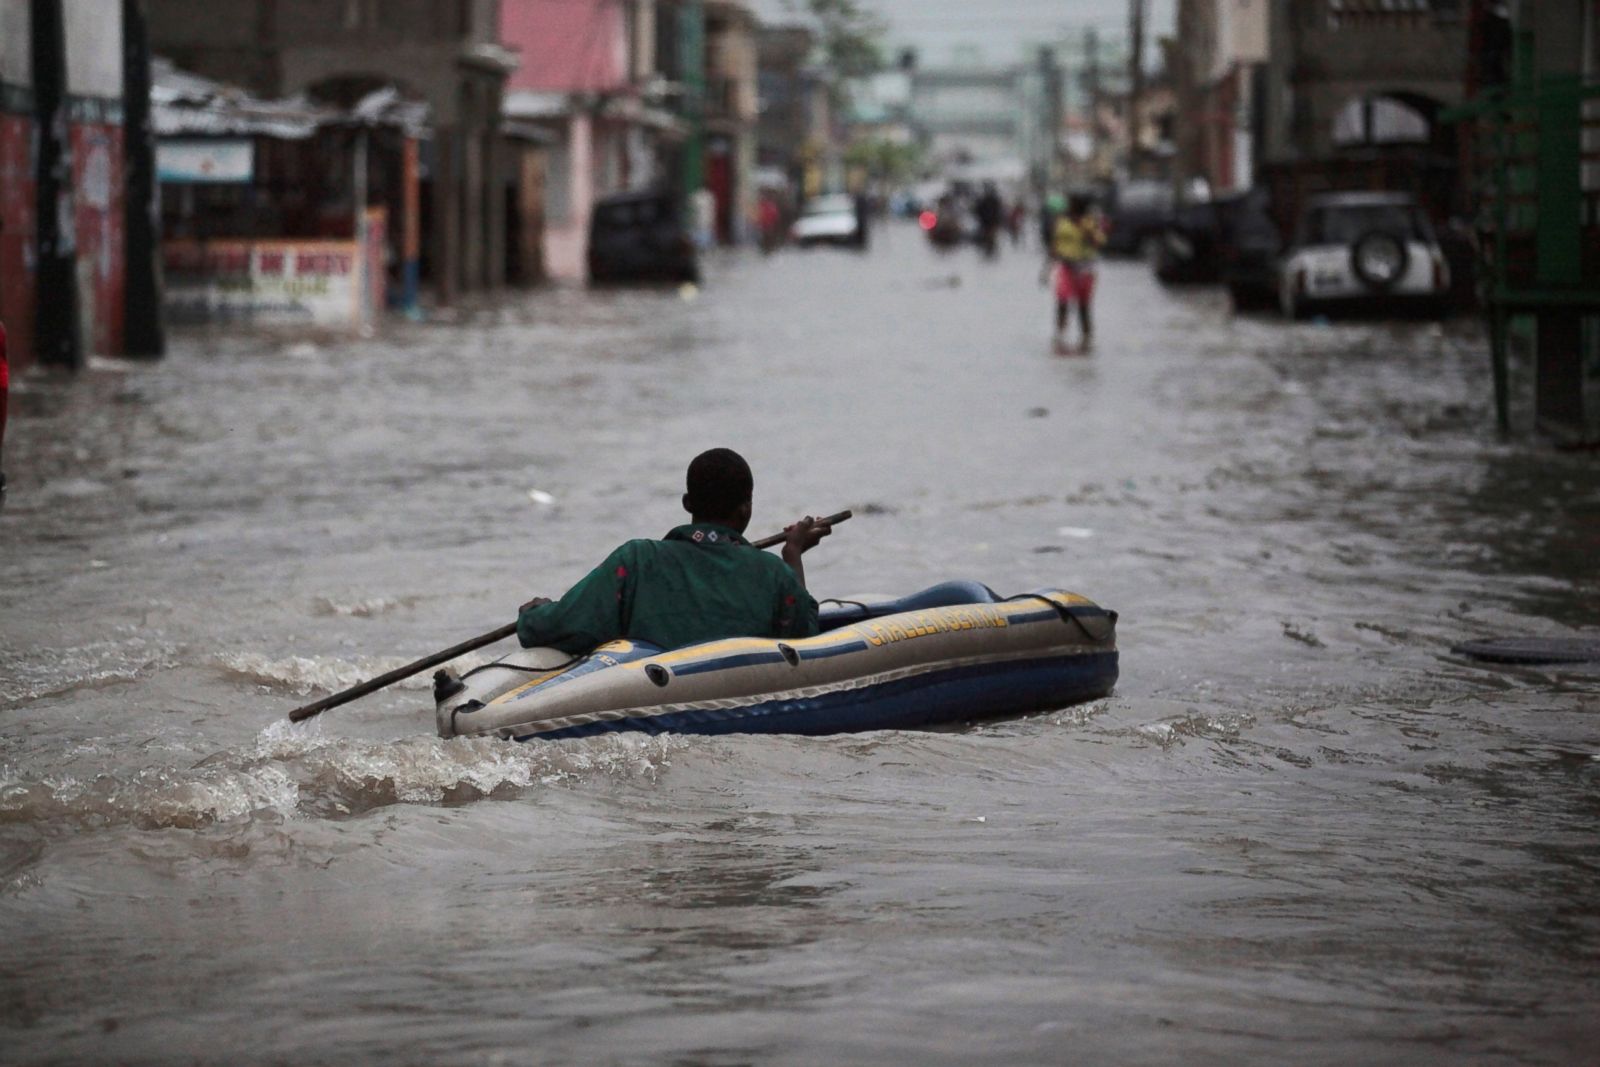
371	685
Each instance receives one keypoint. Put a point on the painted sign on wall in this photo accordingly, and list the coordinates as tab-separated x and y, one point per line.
307	283
230	161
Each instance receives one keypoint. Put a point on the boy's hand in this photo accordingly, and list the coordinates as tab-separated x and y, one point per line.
803	536
535	602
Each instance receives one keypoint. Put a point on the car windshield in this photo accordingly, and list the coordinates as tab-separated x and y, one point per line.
831	205
1343	224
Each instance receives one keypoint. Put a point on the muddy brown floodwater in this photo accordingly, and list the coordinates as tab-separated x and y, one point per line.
1300	831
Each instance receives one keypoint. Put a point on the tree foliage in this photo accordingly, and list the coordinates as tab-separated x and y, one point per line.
849	38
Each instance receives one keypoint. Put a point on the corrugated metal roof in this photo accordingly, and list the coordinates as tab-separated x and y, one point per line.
183	104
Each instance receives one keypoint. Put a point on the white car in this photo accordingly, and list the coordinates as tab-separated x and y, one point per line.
827	220
1370	249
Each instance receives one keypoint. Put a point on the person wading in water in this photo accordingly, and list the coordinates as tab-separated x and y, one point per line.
1075	243
701	582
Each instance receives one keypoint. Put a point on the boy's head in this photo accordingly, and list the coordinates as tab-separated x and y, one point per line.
1078	205
720	488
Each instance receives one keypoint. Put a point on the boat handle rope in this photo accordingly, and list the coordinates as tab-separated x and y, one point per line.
502	664
1068	615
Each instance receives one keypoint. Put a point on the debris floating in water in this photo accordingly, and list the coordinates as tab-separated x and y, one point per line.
1075	531
539	496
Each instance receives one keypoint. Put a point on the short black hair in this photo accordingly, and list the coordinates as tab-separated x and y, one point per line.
719	481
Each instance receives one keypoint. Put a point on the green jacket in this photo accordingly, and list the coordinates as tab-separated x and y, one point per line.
699	583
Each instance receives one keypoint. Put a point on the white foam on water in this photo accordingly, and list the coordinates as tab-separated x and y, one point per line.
297	771
150	798
303	675
362	608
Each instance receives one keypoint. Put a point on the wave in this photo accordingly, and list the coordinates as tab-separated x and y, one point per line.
291	771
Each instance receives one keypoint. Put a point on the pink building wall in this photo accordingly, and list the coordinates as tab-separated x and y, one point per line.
569	46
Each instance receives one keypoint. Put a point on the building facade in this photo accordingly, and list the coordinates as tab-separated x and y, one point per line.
1351	73
599	77
730	111
446	53
969	114
63	265
1218	69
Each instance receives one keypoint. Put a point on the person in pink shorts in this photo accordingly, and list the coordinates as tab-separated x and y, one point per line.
1076	240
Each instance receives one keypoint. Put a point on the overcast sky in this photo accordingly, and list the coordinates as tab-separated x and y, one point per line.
1002	31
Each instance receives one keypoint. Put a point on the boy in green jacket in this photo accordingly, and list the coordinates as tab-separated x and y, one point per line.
702	582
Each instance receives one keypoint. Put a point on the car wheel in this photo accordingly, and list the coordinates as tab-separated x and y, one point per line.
1379	259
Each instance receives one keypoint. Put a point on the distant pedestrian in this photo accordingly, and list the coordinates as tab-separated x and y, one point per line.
1051	209
990	215
703	206
769	222
1075	244
1014	219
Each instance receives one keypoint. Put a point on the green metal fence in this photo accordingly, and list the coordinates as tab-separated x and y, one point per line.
1535	151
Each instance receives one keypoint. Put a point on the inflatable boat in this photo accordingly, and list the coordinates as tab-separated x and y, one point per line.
953	653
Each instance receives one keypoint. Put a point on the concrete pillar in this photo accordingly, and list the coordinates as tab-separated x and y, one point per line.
495	210
58	336
142	328
446	217
471	192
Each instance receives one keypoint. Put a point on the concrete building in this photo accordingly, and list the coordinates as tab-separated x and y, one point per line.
1218	66
1346	74
448	55
730	110
63	260
599	77
793	130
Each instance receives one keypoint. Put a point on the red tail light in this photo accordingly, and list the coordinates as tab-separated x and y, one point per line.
927	220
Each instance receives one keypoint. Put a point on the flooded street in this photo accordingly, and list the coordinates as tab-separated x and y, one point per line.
1301	830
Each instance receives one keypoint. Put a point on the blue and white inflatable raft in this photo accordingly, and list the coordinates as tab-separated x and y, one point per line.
953	653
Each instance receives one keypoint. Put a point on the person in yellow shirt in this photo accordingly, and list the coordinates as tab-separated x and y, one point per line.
1075	243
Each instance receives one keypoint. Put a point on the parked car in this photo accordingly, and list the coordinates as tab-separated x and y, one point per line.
1137	212
1189	248
1231	240
830	219
1362	249
640	237
1248	250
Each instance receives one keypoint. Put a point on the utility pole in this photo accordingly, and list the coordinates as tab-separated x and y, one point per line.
142	331
57	335
1135	79
1091	51
1050	80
